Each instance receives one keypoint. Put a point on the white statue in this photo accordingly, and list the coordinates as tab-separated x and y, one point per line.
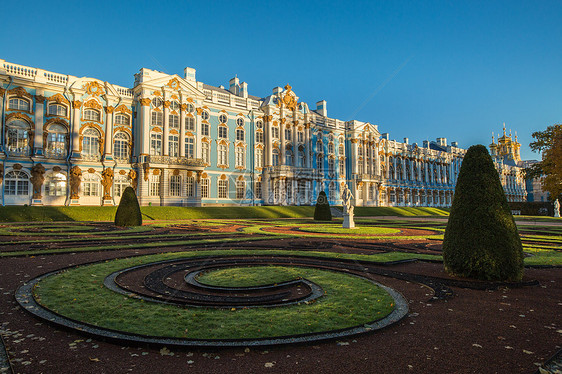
346	197
556	208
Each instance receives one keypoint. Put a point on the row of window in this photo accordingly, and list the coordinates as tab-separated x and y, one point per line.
176	187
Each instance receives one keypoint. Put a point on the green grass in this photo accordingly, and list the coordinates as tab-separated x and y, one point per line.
79	294
362	211
337	229
251	276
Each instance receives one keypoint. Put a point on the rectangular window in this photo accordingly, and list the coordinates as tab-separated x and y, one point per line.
288	134
258	193
222	132
175	185
300	137
275	132
342	168
156	144
157	118
91	188
259	137
189	147
189	185
240	135
173	146
154	186
204	188
205	129
190	123
222	189
174	121
240	187
205	154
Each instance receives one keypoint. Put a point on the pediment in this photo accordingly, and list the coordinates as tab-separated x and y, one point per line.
174	83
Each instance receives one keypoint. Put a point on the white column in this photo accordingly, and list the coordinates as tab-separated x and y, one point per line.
307	145
76	127
166	128
182	130
38	132
108	131
143	129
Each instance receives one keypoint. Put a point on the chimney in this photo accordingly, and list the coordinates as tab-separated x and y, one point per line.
406	141
234	86
426	144
277	90
386	136
321	108
189	74
442	142
454	144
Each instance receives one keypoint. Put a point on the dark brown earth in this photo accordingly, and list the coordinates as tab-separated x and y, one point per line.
500	331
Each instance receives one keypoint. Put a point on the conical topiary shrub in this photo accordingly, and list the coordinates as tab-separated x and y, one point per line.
322	211
128	212
481	240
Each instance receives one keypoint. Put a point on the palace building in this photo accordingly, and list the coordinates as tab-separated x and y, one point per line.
81	141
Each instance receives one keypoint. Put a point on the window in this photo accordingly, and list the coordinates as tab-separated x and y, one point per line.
204	115
92	115
342	168
157	118
331	137
189	147
319	146
90	185
332	191
18	138
174	121
240	156
360	150
190	108
275	154
330	147
156	144
341	150
331	165
121	146
154	185
360	166
157	102
258	192
222	155
174	105
288	134
240	122
300	137
190	186
55	185
275	132
205	154
240	135
121	119
91	144
259	137
119	184
259	158
56	141
222	189
240	189
16	183
289	158
205	129
57	110
190	123
301	159
204	188
173	145
223	118
320	162
223	132
175	185
18	104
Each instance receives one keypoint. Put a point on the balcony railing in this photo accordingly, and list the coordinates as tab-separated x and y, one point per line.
181	161
293	172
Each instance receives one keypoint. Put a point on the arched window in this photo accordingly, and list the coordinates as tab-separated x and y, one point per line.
17	103
92	115
174	105
240	157
90	185
173	145
341	150
57	110
222	155
259	157
119	184
91	144
301	159
205	152
275	157
16	183
320	162
189	147
175	185
240	189
331	165
341	163
121	146
223	118
122	119
330	147
56	146
332	191
399	170
55	184
18	138
289	157
156	143
319	146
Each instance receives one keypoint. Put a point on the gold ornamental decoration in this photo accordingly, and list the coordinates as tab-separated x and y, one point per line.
109	109
75	180
166	104
289	99
18	115
123	109
92	103
94	88
133	177
174	83
145	102
2	90
40	99
37	179
76	104
107	182
20	91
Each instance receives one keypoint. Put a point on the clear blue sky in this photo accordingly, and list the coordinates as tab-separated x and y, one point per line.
418	69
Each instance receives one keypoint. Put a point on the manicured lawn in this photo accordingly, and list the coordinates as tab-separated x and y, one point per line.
249	276
79	294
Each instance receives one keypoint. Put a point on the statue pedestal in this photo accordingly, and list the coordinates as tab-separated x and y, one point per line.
107	202
348	221
74	202
556	214
35	202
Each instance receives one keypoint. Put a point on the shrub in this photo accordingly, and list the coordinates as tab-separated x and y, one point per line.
128	212
322	211
481	240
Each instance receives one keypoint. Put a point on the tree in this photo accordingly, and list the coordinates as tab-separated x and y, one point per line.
549	142
322	210
481	239
128	212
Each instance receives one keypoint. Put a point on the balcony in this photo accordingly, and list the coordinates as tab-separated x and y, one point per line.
176	161
294	172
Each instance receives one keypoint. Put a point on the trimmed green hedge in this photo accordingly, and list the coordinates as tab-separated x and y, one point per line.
481	240
128	213
322	210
